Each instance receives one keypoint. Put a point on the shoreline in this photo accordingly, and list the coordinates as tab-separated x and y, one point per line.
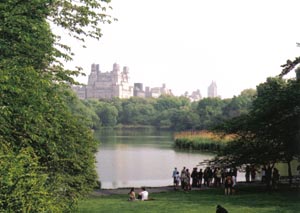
159	189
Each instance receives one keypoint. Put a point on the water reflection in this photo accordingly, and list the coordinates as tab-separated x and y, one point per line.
134	160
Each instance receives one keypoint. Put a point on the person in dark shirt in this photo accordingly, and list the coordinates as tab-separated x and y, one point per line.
200	176
194	177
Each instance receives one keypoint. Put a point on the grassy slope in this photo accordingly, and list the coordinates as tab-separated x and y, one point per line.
252	200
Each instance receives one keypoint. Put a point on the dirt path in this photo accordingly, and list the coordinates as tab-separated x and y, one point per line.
101	192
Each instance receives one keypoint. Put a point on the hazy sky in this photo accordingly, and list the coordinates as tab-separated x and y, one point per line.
188	44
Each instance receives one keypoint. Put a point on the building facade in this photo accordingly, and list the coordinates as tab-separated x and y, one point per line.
154	92
212	90
106	85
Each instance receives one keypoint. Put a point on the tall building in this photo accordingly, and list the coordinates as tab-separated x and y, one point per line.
195	96
154	92
212	90
158	91
106	85
138	90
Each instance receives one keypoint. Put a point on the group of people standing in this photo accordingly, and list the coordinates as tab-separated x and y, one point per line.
208	177
268	175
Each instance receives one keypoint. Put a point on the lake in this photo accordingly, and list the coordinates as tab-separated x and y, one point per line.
143	157
146	157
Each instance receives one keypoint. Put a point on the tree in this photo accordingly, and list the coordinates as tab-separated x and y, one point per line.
270	132
26	38
291	65
35	114
166	102
183	119
107	113
210	112
83	108
137	111
240	104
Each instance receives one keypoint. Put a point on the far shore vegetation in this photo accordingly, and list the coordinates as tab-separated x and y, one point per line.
201	140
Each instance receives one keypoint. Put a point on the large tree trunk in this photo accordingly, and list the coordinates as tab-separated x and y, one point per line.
290	173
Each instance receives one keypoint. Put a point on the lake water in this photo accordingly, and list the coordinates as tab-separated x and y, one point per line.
144	157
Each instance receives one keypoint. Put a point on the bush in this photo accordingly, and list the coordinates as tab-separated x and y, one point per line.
23	185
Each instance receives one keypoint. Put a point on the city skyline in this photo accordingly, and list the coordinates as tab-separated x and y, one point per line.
104	82
188	45
115	83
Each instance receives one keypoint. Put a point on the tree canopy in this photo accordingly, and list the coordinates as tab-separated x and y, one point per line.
270	132
176	113
49	142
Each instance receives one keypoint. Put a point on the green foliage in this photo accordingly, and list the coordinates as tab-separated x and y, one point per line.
270	132
43	125
210	112
36	116
169	102
81	108
183	119
107	113
298	73
25	38
80	18
23	183
239	105
176	113
137	111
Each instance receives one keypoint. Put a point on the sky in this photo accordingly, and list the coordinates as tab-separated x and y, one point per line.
188	44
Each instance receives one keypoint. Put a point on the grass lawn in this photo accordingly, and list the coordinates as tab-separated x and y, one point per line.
248	199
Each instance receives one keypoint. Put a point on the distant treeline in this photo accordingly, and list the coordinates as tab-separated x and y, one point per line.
175	113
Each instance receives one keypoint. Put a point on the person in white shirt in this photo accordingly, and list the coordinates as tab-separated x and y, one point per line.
143	195
177	180
233	184
174	176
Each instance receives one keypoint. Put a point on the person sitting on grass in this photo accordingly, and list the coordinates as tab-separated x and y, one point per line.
131	195
143	195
